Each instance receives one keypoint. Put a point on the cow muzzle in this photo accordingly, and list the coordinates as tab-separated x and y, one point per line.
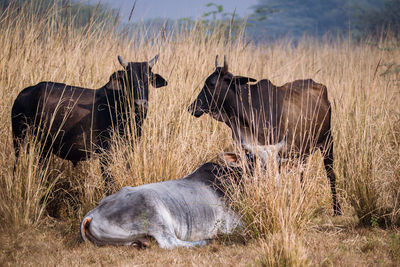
195	110
85	228
87	235
142	103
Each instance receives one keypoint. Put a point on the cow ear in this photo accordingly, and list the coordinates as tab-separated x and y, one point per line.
157	81
231	159
116	81
242	80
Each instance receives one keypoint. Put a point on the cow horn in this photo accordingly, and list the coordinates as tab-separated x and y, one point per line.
216	61
153	61
122	62
225	67
283	142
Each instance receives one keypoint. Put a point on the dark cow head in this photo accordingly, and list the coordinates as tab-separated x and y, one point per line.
220	87
135	78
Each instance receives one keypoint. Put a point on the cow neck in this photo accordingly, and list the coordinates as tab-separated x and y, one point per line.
121	99
212	173
226	179
239	112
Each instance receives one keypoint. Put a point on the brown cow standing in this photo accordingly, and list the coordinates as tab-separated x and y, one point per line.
261	114
74	122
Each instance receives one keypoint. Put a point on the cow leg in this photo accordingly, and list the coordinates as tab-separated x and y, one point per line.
302	161
108	180
199	243
19	128
20	140
328	163
140	115
168	240
17	147
187	244
251	162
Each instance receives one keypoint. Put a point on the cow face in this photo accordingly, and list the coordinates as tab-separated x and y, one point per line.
135	78
220	88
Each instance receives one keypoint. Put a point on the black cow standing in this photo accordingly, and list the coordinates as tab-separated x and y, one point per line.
74	122
262	114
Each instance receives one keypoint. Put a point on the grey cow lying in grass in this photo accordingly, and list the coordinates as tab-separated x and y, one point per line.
180	213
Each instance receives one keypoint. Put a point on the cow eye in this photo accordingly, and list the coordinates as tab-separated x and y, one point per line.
209	83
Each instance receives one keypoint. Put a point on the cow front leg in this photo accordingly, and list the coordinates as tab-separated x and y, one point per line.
189	244
109	183
168	240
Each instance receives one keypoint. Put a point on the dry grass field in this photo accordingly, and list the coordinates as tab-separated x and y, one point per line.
286	225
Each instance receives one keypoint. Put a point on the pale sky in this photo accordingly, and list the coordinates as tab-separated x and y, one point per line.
175	9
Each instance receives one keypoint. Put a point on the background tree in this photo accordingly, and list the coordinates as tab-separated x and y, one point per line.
71	12
377	17
272	19
276	18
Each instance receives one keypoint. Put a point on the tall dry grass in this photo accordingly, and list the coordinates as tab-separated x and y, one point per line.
368	141
365	122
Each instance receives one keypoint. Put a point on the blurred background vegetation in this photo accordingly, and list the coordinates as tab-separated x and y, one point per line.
269	20
70	12
355	18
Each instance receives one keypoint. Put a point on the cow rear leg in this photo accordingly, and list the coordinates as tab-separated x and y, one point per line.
328	163
23	140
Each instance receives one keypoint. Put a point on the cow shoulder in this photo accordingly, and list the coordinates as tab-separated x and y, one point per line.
208	174
51	85
204	173
55	89
217	177
265	84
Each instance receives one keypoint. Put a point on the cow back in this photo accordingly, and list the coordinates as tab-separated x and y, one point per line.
264	113
306	114
62	116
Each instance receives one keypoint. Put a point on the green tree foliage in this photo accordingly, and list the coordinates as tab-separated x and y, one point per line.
377	17
276	18
71	12
298	17
214	21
